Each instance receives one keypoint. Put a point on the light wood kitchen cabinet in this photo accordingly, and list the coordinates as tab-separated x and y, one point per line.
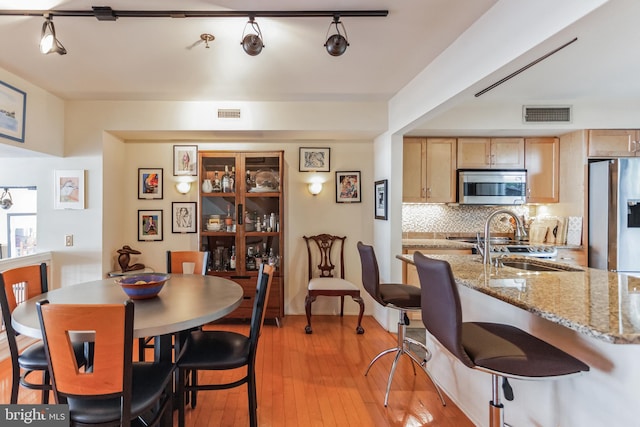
614	143
429	170
541	160
490	153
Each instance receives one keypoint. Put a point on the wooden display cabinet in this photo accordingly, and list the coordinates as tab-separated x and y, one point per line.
248	218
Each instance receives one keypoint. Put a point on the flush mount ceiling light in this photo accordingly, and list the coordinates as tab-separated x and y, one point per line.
48	40
252	42
336	43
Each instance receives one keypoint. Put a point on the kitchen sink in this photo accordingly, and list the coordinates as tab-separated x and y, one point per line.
537	266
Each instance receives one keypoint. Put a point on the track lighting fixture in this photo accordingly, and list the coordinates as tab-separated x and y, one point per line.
48	41
252	41
336	43
5	200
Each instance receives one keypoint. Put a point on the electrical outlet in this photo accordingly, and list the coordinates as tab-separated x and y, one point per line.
68	240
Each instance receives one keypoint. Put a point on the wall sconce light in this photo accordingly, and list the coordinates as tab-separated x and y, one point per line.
183	187
315	188
336	44
252	42
48	40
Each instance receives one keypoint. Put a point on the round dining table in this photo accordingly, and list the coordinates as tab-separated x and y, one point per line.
186	301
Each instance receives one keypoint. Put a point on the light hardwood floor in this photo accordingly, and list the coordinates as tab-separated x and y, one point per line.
315	380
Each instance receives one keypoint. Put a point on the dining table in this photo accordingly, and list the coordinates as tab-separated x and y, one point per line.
186	301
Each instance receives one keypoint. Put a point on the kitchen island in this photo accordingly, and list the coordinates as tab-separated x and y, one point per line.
591	314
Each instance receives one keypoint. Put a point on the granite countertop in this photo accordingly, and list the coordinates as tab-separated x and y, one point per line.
597	303
443	243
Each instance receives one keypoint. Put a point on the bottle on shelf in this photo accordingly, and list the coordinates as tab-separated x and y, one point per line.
272	257
232	259
248	181
257	221
228	221
251	260
216	183
232	180
272	221
225	180
259	258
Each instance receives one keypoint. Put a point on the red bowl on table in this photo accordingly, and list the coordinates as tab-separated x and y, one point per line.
142	286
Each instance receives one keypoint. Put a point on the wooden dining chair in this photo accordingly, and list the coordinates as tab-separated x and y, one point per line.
17	285
175	260
325	255
223	350
115	391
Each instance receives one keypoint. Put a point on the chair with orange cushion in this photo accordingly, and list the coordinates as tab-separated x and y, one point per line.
326	275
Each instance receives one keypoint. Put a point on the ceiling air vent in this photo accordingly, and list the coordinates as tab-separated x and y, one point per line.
228	113
546	114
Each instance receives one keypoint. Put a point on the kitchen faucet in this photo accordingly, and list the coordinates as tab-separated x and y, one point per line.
520	233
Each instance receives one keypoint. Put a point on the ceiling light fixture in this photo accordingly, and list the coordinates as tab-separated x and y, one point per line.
252	42
48	40
336	43
207	38
5	200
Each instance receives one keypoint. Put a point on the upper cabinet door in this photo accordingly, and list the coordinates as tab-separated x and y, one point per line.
542	164
507	153
474	153
441	170
414	176
490	153
613	143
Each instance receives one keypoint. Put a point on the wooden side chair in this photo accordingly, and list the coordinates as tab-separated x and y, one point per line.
17	285
207	350
115	391
175	260
326	275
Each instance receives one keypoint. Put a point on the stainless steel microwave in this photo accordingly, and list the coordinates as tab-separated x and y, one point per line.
492	187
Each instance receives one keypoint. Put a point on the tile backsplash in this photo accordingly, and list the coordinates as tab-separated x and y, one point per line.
436	218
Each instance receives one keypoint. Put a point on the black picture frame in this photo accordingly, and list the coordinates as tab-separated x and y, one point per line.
381	201
150	225
184	217
150	183
14	103
314	159
348	187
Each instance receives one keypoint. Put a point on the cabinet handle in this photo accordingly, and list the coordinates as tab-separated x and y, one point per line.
429	193
488	159
239	215
424	192
635	146
493	159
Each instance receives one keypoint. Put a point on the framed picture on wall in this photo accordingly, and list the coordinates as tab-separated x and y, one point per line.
68	189
348	187
183	217
13	106
150	183
185	160
149	225
380	190
314	159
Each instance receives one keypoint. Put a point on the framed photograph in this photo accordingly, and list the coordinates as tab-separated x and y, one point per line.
150	225
183	217
348	187
314	159
185	160
68	189
380	191
13	109
150	183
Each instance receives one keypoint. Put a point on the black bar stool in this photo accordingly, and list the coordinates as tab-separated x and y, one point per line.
502	350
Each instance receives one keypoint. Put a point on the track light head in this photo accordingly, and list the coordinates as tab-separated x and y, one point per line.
336	43
48	41
252	42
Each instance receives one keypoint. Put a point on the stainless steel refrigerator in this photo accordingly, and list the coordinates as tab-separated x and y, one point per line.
614	215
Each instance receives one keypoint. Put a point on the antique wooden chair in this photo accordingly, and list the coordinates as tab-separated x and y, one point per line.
326	275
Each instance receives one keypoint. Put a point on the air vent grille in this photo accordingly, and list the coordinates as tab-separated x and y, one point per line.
546	114
229	113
